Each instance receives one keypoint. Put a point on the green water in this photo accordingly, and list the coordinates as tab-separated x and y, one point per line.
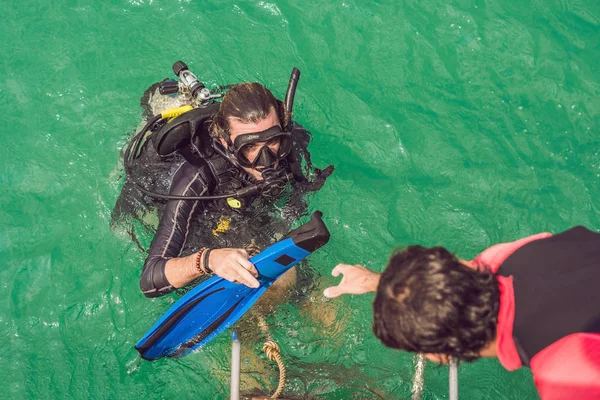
461	123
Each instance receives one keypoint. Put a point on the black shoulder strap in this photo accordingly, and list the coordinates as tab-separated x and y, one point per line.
192	157
224	173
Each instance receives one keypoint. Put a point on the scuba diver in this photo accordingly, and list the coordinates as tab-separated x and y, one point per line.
235	171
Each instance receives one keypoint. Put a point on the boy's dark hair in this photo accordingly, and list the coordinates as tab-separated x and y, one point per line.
428	302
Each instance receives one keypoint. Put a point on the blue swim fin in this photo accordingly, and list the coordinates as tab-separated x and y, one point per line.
216	304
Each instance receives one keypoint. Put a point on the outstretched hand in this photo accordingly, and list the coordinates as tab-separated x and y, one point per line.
233	265
356	279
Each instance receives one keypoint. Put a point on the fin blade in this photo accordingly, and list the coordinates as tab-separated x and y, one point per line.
216	304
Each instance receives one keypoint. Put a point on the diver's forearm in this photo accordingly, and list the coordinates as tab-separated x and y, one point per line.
182	270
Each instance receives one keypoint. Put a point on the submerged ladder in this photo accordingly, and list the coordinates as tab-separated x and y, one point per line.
417	386
418	378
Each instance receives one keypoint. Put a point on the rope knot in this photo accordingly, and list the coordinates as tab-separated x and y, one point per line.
271	349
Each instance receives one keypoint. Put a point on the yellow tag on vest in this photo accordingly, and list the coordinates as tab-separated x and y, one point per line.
234	203
222	227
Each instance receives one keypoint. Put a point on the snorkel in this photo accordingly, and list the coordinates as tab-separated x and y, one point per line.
274	176
288	104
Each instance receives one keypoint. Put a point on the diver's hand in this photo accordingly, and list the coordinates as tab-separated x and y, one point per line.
356	279
233	265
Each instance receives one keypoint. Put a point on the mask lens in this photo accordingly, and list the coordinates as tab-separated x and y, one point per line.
265	152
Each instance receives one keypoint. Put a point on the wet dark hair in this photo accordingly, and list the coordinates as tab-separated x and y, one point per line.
428	302
248	102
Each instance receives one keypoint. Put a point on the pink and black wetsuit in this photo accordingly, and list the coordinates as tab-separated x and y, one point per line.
549	317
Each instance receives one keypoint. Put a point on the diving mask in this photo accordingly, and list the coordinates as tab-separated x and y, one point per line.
264	148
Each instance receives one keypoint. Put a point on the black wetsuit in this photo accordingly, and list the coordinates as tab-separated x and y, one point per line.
176	222
252	219
173	230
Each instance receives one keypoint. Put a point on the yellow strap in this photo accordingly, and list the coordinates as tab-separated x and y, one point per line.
174	112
